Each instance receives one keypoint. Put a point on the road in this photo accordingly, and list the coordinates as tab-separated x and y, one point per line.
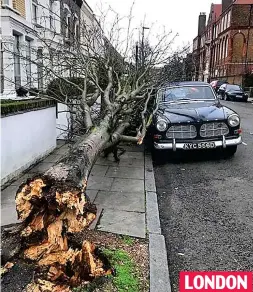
206	207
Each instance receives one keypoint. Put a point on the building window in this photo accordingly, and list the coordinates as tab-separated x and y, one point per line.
17	61
2	67
226	47
51	18
34	11
40	69
229	19
76	28
28	63
67	30
226	21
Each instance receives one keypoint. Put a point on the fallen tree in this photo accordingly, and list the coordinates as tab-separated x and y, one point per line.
54	205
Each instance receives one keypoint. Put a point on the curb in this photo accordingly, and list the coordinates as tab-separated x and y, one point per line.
159	272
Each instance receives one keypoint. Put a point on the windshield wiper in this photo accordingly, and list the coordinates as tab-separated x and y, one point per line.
189	99
180	99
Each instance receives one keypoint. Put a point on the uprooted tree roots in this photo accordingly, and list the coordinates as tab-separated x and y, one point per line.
51	210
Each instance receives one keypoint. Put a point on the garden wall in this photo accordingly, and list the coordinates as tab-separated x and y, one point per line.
26	137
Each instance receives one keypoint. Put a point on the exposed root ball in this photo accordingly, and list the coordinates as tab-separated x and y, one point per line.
50	210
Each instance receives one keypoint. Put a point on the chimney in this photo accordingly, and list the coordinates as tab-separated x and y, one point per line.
202	23
226	4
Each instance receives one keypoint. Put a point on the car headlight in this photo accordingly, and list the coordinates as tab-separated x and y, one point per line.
233	120
161	125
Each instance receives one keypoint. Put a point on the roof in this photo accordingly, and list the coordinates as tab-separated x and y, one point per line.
243	2
217	10
186	83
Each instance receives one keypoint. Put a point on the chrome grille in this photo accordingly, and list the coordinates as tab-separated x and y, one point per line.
182	132
214	129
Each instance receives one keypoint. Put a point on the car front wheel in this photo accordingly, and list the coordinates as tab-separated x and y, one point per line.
230	151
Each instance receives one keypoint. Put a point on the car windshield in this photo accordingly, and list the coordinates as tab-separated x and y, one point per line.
180	93
219	83
233	87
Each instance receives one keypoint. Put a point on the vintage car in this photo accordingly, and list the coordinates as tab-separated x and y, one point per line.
190	116
232	92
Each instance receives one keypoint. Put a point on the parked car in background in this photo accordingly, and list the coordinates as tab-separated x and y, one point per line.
232	92
216	84
189	116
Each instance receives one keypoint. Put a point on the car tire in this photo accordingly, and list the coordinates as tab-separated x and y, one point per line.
245	100
230	151
157	155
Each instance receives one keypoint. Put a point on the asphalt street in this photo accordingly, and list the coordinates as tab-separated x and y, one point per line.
206	206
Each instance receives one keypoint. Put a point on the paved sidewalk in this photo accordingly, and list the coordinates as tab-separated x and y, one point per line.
117	188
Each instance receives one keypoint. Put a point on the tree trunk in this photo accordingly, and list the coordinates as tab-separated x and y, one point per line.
55	204
77	165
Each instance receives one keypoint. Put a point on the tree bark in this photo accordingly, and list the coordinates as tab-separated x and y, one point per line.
53	205
77	165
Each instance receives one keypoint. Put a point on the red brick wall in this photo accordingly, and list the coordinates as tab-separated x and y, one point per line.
240	15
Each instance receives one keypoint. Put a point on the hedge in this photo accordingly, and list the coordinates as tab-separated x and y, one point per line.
16	106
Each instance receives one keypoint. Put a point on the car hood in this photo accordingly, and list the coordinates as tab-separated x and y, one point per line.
239	92
193	112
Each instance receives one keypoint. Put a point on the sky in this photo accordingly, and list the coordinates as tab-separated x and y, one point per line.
180	16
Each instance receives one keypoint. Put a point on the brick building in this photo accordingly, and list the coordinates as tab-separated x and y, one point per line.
223	48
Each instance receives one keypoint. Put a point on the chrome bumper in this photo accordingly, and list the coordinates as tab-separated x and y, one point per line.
222	143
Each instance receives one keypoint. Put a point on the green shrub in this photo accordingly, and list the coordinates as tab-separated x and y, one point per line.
13	106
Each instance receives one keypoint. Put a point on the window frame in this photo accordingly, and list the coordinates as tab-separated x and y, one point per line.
35	11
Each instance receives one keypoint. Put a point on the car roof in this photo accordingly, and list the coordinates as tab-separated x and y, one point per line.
186	83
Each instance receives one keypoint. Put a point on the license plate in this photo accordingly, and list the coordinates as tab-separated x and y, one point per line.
202	145
238	96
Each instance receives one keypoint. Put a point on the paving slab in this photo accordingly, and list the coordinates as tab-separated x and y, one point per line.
60	143
124	161
131	155
91	194
126	201
99	170
125	172
41	167
52	158
106	161
134	148
62	150
131	162
126	185
8	195
8	214
123	222
99	183
159	273
22	179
